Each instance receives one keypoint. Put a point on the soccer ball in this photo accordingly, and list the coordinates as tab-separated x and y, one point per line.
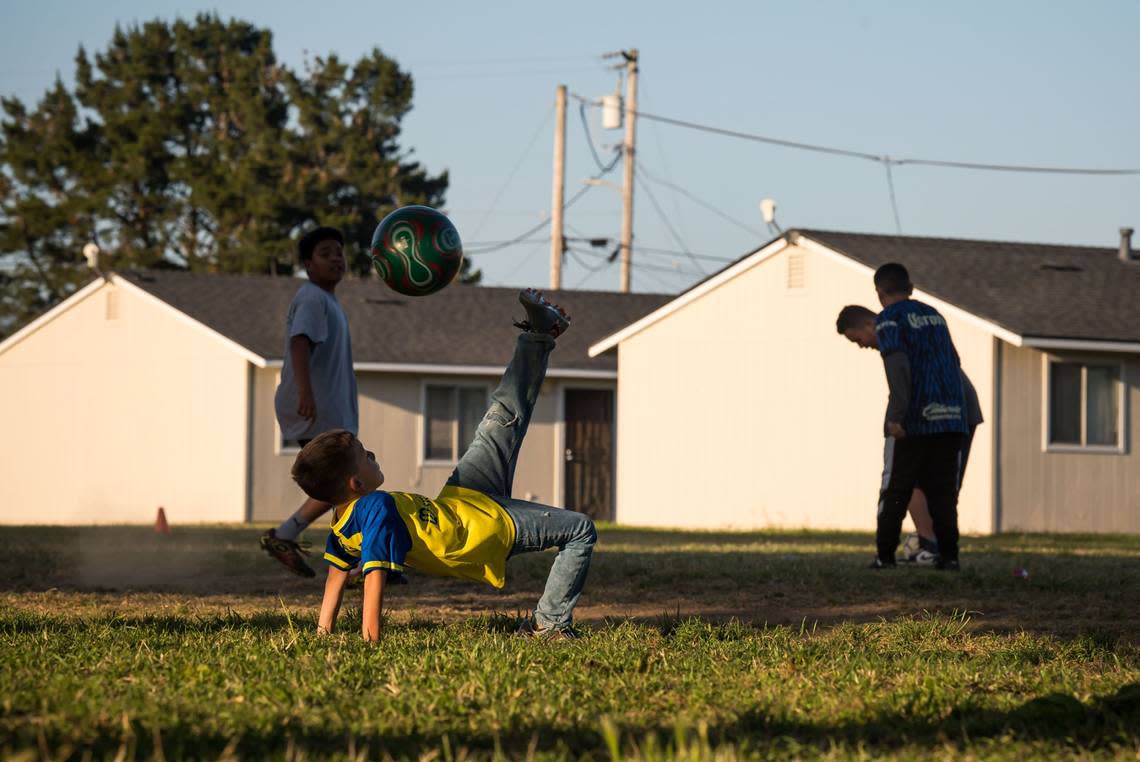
416	250
911	545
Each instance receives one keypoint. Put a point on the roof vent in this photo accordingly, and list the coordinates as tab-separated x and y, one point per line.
1061	267
1126	245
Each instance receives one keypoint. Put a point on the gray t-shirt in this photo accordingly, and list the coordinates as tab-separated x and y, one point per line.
317	314
973	407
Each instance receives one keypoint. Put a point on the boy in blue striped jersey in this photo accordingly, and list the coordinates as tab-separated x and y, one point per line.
926	416
857	324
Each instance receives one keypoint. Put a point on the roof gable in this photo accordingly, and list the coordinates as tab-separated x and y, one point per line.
1033	290
1034	294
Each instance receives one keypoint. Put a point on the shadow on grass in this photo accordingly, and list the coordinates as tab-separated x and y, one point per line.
1102	723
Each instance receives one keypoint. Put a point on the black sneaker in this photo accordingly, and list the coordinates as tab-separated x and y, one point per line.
951	565
921	557
290	554
542	316
879	563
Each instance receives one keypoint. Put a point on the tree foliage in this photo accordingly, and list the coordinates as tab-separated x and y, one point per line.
188	144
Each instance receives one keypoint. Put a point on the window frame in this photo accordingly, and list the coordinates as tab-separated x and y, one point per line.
1121	446
422	434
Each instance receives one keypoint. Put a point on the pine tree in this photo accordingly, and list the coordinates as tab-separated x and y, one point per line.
187	144
45	214
350	171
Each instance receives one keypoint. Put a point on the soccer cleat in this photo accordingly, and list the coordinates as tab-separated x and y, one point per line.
528	629
950	565
287	552
542	316
879	563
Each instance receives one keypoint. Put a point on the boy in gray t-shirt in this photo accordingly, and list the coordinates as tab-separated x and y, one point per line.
318	386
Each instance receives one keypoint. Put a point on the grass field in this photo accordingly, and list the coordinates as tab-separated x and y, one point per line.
119	643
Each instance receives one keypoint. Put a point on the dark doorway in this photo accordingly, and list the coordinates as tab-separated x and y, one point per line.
590	452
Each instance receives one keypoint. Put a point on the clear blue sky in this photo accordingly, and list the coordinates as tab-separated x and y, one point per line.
1013	82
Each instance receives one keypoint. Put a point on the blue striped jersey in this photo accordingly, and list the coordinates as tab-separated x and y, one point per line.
937	399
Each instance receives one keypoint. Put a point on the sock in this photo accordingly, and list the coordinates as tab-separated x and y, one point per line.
291	527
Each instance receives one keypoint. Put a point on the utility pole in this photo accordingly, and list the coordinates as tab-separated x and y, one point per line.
627	182
557	242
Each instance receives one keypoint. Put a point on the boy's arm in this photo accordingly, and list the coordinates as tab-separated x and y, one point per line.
330	605
300	349
898	382
373	604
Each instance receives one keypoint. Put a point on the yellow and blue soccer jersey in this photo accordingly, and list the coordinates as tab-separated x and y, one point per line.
462	533
937	400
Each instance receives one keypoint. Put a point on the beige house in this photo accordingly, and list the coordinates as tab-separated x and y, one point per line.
156	389
739	405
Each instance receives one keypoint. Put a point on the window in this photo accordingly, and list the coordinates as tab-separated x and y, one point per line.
1085	402
450	417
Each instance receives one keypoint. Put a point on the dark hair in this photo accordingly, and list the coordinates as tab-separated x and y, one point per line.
892	278
851	316
323	467
310	240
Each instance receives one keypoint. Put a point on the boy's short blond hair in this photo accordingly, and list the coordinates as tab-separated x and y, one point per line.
324	466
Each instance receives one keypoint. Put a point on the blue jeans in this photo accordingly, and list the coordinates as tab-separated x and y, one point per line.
489	467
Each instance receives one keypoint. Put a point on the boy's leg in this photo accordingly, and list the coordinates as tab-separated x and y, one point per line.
920	515
902	459
310	511
939	480
489	463
539	527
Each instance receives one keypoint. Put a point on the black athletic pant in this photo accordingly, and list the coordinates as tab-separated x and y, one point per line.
930	462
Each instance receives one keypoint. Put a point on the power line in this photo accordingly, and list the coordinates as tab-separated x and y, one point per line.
515	169
590	142
894	202
885	158
514	74
665	219
546	221
698	201
664	162
647	266
671	252
484	244
531	231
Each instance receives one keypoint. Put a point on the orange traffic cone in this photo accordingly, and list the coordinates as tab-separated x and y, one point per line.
160	525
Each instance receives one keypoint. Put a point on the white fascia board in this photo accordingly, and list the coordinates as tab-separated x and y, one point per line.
1082	345
940	304
747	263
51	314
178	314
462	370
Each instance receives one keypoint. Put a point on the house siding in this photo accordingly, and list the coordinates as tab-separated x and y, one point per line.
391	426
745	408
107	419
1062	491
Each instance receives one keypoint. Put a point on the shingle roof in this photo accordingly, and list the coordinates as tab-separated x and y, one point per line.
1034	290
461	325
